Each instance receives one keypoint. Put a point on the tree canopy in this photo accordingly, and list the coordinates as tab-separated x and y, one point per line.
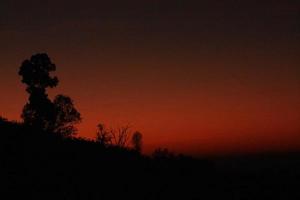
57	116
35	72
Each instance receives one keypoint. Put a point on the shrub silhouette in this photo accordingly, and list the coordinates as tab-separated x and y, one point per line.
119	137
103	136
162	153
136	141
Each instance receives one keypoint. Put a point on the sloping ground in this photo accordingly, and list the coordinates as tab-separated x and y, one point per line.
39	165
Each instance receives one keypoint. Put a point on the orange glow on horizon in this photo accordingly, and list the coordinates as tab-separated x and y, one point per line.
223	113
197	77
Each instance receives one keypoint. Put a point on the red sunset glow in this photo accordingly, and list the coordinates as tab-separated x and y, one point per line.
189	85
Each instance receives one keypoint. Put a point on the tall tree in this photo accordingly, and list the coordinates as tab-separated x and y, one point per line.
58	116
35	72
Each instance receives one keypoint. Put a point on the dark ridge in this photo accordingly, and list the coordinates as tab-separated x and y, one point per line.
36	164
41	158
43	165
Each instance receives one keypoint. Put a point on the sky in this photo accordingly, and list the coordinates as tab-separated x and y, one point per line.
198	77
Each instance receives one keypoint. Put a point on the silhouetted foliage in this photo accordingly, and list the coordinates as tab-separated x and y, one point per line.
66	116
103	136
59	116
120	136
35	72
136	141
39	111
162	153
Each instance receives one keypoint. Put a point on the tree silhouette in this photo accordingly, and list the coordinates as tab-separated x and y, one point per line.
120	136
35	72
136	141
58	116
103	136
66	116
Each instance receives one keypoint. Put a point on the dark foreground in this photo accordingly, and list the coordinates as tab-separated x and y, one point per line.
36	165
